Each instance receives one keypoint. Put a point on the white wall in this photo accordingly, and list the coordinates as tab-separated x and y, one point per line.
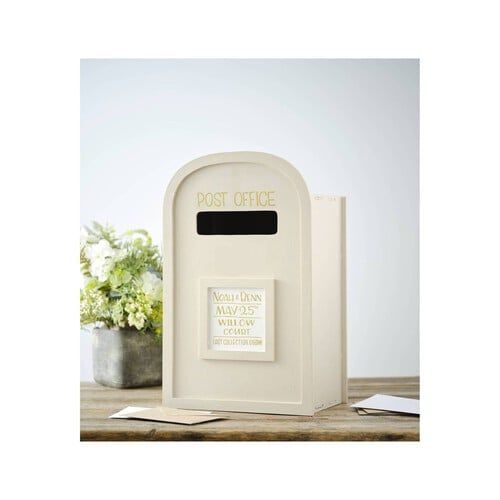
350	126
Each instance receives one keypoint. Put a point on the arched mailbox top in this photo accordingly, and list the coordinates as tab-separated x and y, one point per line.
238	285
248	157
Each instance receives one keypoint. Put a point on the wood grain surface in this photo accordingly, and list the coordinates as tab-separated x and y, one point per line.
339	423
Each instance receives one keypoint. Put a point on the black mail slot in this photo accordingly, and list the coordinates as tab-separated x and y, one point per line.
244	222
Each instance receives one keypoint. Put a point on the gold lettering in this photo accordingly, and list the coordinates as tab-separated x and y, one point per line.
209	199
271	202
240	199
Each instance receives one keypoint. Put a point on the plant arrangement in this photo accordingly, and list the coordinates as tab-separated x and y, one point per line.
122	280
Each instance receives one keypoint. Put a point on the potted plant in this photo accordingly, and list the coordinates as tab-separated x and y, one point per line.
121	300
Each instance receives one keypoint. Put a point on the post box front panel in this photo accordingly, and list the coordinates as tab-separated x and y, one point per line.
237	285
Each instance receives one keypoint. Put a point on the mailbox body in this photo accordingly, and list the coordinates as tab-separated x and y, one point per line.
254	296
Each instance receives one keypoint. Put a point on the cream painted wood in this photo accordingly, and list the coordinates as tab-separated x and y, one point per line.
328	301
285	383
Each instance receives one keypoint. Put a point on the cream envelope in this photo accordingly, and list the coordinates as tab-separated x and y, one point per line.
174	416
174	411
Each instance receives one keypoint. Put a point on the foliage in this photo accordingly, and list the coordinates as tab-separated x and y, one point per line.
122	279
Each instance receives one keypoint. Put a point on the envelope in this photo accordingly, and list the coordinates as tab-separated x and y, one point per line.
389	403
168	415
174	416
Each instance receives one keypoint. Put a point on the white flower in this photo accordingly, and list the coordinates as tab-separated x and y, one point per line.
101	268
152	286
83	281
102	258
84	236
100	250
120	254
137	320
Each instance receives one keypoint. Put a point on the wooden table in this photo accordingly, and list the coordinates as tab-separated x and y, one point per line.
339	423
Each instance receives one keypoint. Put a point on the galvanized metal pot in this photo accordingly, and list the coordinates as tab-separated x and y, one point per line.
126	358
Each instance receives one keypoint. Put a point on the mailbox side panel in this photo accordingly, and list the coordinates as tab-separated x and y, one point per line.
197	264
329	301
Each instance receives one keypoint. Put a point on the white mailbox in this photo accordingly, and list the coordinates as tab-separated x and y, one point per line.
254	316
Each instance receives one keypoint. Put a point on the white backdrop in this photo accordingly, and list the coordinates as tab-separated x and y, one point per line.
350	126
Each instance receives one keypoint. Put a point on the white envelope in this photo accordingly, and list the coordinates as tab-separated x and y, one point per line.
129	409
390	403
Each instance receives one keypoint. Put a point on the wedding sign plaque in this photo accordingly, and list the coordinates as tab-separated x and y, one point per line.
237	319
